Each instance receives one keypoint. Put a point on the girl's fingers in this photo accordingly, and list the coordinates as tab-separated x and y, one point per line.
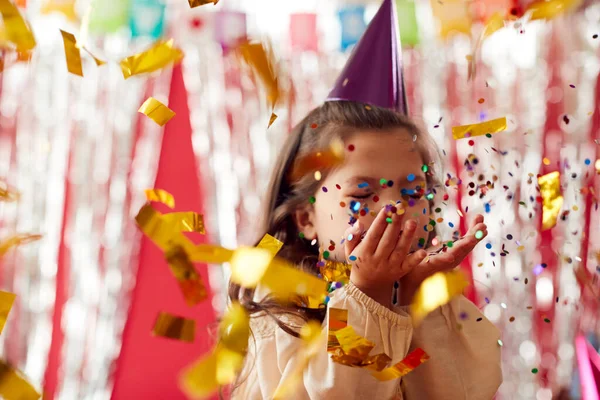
374	233
404	242
352	237
411	261
389	239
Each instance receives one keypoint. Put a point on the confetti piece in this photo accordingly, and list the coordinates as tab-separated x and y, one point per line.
318	161
543	9
17	240
72	54
222	365
261	60
552	200
480	129
198	3
16	29
272	119
6	301
174	327
436	291
161	54
14	385
337	319
412	361
336	271
156	111
189	281
310	334
161	196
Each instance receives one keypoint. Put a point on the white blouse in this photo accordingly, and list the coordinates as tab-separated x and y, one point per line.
464	355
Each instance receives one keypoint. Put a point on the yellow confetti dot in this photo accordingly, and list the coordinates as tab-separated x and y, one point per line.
317	175
520	248
546	161
373	213
368	108
575	208
400	211
480	265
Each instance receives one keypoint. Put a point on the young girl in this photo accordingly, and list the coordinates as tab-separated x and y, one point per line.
380	144
387	180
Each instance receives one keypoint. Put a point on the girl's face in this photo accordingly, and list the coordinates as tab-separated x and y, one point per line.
361	187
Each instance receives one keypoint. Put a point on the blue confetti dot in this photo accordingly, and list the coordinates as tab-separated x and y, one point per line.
487	207
355	205
350	237
488	246
450	224
352	258
326	300
410	177
363	185
588	161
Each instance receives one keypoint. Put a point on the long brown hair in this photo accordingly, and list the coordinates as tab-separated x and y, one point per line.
315	132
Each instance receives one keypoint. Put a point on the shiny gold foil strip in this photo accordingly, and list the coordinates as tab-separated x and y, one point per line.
223	363
156	111
412	361
319	160
272	119
480	129
16	29
338	319
189	281
174	327
352	344
336	271
552	200
198	3
72	53
161	54
185	221
17	240
260	58
270	244
435	291
14	386
161	196
6	302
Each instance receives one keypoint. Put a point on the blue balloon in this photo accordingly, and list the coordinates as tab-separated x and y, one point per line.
147	18
352	19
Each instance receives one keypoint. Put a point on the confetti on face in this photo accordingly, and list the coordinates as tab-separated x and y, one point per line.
410	177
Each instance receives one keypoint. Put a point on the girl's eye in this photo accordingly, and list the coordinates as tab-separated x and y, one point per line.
361	196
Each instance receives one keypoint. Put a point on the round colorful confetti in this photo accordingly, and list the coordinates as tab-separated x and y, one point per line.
352	258
301	235
312	199
424	168
410	177
535	370
479	235
326	255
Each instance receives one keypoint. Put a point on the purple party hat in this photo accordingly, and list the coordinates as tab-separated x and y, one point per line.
373	73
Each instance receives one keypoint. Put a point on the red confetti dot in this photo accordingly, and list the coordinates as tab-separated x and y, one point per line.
331	248
351	147
314	126
196	23
471	143
375	199
481	101
446	197
338	187
363	212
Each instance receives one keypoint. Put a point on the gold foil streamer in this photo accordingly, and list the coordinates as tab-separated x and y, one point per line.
480	129
15	29
222	365
165	230
72	53
185	221
552	200
156	111
161	196
354	350
7	194
543	9
338	319
14	386
174	327
198	3
161	54
17	240
270	243
336	271
311	344
190	282
412	361
319	160
260	58
6	301
435	291
272	119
